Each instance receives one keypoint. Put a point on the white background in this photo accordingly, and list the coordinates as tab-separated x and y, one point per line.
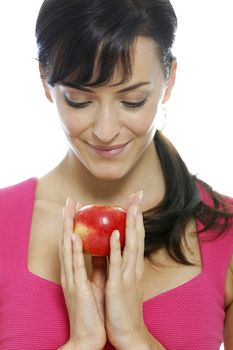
199	120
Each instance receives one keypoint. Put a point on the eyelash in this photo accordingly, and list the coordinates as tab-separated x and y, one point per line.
128	105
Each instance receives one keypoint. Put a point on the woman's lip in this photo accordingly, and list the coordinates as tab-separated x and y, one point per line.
102	148
108	153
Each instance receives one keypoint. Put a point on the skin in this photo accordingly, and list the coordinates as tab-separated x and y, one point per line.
116	312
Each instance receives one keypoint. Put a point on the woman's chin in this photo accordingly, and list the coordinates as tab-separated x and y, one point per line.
108	176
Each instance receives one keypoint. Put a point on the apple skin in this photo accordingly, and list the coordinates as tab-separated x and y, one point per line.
95	224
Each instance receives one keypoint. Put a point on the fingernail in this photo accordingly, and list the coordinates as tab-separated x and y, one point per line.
77	206
117	235
140	196
68	200
132	195
73	237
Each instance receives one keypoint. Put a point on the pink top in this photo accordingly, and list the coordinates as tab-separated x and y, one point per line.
33	314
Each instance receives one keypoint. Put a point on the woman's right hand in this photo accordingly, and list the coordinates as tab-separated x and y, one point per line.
84	298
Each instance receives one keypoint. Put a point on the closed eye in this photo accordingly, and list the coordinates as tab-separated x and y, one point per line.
135	105
126	104
76	104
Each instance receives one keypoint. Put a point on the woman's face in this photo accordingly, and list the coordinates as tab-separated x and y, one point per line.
110	128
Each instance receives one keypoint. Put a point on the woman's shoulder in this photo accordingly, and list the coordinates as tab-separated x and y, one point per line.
206	193
18	192
18	187
217	214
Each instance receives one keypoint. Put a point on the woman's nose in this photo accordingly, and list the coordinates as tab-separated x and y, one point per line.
106	127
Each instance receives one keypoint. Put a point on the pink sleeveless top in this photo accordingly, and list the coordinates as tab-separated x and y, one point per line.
33	314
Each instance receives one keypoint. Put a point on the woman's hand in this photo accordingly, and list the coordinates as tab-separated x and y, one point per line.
84	298
124	287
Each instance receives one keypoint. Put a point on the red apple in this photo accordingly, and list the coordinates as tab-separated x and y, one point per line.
95	224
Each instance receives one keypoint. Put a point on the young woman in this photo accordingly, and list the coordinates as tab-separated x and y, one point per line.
108	68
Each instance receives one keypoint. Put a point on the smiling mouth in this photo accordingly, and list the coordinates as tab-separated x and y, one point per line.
106	149
108	152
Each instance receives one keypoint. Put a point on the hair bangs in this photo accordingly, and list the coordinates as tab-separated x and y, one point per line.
94	58
99	67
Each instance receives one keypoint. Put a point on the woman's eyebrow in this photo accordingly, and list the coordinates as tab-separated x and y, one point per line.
133	87
128	88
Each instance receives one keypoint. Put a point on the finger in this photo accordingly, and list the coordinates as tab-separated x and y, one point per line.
61	257
131	243
79	267
141	239
114	274
68	214
66	247
78	261
61	234
99	271
132	240
134	198
130	200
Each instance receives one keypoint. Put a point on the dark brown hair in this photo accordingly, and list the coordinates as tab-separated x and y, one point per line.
165	224
71	34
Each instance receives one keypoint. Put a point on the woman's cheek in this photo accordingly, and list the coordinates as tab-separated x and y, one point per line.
144	121
74	123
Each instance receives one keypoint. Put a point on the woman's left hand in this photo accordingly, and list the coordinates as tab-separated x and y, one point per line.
124	287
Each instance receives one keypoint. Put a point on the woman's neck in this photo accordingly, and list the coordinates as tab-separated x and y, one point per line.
71	178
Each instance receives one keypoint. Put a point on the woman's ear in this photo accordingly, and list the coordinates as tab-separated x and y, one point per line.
44	82
171	81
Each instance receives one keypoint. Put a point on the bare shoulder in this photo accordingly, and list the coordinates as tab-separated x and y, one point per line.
46	228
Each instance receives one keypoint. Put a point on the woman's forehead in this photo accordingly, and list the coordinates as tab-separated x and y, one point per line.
145	56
